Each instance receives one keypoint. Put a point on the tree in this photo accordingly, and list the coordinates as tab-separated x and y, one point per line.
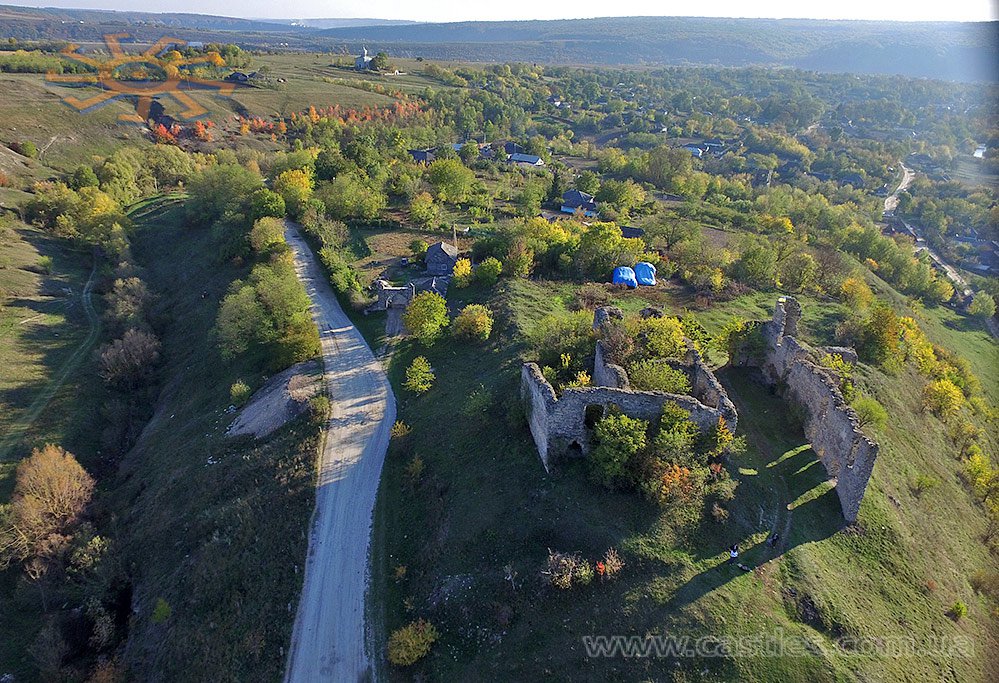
469	152
462	273
856	294
870	412
451	180
242	321
218	189
423	210
588	182
475	323
411	643
266	202
488	271
418	248
756	266
880	337
83	176
295	186
619	439
419	376
380	62
51	492
128	362
266	233
943	398
982	306
798	272
426	317
601	248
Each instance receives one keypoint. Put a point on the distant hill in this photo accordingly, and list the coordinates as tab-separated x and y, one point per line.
46	21
949	51
346	23
952	51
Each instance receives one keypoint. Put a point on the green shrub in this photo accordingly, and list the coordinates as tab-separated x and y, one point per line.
924	483
44	264
320	408
475	323
958	610
162	611
411	643
488	272
239	392
419	376
27	148
870	412
565	570
619	439
656	375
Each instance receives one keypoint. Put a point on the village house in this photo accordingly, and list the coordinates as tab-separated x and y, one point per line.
422	156
577	200
526	159
440	258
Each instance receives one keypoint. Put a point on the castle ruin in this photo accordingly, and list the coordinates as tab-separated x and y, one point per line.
832	426
563	425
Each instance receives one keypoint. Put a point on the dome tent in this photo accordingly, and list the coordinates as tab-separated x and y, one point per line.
623	275
645	273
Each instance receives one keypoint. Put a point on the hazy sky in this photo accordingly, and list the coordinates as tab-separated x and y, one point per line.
459	10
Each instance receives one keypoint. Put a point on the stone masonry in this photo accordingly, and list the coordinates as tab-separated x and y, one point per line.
562	425
830	423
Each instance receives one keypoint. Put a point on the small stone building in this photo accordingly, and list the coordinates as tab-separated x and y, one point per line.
440	259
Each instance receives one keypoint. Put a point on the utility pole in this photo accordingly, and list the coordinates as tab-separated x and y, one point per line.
454	235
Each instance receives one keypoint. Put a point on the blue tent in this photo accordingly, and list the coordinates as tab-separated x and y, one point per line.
623	275
645	273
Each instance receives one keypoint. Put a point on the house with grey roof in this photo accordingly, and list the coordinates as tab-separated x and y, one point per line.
440	258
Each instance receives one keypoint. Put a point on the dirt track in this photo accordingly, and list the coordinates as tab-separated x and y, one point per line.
328	641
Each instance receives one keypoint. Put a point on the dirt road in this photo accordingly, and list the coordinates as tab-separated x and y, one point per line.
328	641
891	201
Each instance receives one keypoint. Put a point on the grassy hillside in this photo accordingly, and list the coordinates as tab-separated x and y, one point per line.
216	528
483	501
32	109
45	341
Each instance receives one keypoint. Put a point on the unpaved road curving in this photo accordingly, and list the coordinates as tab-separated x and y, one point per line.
328	641
891	201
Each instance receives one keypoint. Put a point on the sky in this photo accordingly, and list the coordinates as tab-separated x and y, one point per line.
463	10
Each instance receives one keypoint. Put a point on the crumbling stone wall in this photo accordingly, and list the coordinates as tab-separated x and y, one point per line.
831	424
558	423
607	374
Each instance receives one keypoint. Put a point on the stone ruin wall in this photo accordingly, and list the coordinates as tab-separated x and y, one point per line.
559	422
830	423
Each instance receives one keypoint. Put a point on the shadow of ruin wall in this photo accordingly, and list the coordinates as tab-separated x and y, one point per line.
830	423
